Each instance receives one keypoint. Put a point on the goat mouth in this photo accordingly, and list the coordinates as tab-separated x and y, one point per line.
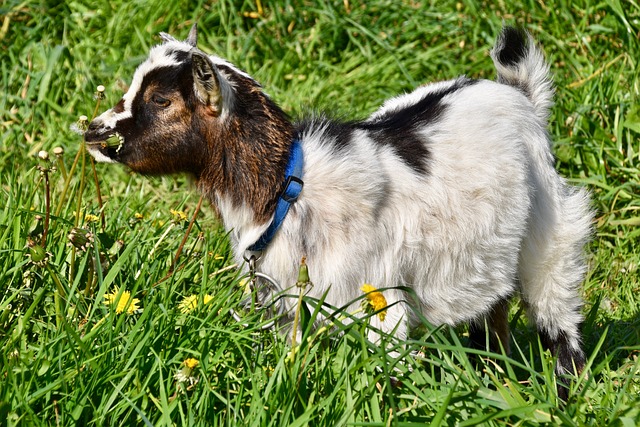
114	140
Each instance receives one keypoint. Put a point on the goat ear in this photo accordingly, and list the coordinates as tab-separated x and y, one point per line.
192	39
205	81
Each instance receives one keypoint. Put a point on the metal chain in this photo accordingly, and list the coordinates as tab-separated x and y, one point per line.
254	275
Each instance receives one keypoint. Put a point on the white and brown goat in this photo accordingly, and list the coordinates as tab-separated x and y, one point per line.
449	190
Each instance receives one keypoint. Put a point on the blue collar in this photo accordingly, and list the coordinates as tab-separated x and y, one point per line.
292	188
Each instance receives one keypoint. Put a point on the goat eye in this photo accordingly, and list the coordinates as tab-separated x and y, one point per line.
160	101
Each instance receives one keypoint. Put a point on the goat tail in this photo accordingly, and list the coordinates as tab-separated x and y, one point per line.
521	64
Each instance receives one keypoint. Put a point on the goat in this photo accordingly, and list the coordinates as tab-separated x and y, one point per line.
449	190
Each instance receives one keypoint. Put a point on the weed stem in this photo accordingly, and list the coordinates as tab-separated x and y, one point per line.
186	235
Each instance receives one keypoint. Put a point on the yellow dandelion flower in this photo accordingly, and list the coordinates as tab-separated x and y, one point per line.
188	304
91	218
268	370
374	301
185	374
178	215
207	299
124	302
191	362
245	284
138	215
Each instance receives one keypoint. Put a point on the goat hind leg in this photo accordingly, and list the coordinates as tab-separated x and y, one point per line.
555	310
551	271
497	323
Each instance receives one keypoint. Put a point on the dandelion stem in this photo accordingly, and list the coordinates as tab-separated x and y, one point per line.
301	284
78	212
62	168
68	180
296	318
95	179
95	110
186	235
76	222
58	296
89	285
58	152
47	202
72	265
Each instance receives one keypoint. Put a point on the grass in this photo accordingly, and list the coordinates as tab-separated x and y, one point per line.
68	358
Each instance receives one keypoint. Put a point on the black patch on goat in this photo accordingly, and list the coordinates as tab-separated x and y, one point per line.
398	128
513	46
336	132
511	49
179	55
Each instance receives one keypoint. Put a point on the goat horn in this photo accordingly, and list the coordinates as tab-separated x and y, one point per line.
192	39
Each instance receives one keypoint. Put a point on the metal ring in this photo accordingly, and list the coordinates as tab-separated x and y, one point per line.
270	324
252	260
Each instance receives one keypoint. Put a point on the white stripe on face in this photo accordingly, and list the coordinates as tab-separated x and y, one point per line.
158	57
98	156
161	56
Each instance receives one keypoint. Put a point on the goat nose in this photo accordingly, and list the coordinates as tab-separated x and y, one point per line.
95	130
94	126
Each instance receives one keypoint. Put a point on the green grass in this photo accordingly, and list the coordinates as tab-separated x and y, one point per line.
67	358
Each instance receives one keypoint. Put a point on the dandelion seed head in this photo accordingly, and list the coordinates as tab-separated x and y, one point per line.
80	126
99	94
43	155
75	128
181	377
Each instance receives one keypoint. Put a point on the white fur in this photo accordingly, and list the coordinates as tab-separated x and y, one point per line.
532	72
98	156
240	221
